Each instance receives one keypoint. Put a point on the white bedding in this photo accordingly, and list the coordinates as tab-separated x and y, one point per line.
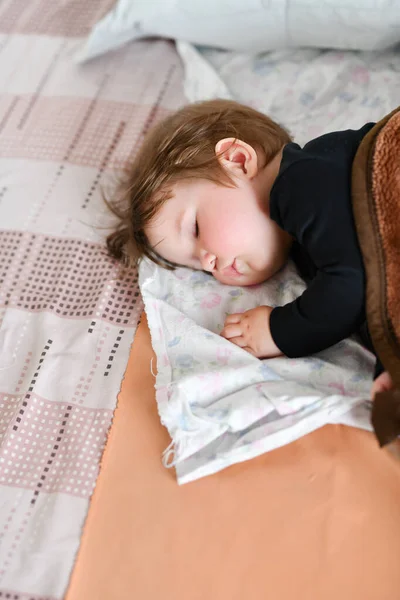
220	404
251	26
309	91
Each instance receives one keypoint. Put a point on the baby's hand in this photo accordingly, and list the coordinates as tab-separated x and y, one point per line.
383	383
250	330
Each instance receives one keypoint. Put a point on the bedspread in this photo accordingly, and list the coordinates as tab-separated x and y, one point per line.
67	311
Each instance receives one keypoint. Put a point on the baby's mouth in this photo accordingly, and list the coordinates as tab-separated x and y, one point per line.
231	270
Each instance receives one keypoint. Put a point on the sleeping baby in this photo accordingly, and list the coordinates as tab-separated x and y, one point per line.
220	187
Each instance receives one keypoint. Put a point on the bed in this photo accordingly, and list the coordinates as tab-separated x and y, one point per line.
315	519
87	508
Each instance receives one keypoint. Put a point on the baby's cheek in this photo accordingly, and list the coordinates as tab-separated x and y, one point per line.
228	239
231	229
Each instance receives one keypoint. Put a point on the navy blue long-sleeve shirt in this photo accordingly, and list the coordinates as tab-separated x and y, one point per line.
311	200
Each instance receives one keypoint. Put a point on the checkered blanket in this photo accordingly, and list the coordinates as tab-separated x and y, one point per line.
68	313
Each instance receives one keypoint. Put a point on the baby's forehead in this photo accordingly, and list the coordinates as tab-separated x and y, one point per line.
157	205
163	227
171	203
166	213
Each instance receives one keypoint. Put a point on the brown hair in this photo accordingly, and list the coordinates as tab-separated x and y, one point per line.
182	146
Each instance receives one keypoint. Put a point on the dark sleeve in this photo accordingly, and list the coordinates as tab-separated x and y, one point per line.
312	207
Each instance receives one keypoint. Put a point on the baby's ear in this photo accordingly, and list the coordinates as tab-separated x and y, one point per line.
237	156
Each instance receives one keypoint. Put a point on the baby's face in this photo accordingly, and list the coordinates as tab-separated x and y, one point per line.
223	230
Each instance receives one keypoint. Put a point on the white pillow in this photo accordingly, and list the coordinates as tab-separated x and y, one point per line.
251	25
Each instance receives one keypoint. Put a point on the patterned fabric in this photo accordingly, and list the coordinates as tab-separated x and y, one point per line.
309	91
68	313
220	404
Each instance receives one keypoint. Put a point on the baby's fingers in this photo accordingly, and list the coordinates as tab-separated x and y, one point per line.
239	341
231	331
383	383
234	318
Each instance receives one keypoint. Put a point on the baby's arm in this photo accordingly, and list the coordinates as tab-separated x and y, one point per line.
329	310
315	207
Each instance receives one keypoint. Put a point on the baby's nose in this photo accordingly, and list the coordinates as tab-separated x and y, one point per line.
208	261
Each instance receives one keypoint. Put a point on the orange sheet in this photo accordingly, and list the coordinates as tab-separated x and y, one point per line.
316	520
